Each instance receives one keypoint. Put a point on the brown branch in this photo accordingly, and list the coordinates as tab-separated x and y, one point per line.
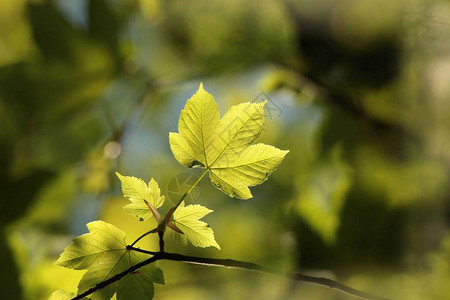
228	263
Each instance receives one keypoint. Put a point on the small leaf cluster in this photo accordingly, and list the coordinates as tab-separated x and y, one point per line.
146	199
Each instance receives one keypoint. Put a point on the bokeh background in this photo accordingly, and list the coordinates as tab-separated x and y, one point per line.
359	93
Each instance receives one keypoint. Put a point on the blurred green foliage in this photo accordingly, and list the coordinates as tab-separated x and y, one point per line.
360	92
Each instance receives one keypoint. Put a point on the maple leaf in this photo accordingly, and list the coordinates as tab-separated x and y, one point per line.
225	146
145	199
186	218
102	252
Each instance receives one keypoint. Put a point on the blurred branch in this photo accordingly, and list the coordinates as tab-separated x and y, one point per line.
348	104
108	116
227	263
143	102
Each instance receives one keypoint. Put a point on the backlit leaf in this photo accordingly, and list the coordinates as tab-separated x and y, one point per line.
137	191
225	147
103	253
198	121
186	218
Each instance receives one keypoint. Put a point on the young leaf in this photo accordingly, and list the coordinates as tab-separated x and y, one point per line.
224	146
186	218
103	253
142	197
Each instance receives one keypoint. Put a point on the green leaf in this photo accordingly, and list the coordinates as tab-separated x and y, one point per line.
186	218
137	191
135	286
198	121
251	167
103	253
225	147
139	286
238	129
87	249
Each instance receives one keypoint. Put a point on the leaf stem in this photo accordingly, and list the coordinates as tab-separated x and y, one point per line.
154	230
190	190
228	263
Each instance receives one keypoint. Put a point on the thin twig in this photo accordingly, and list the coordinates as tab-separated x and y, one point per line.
189	190
228	263
154	230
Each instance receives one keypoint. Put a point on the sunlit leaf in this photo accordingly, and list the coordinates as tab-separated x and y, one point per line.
224	146
186	218
103	253
251	167
137	191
